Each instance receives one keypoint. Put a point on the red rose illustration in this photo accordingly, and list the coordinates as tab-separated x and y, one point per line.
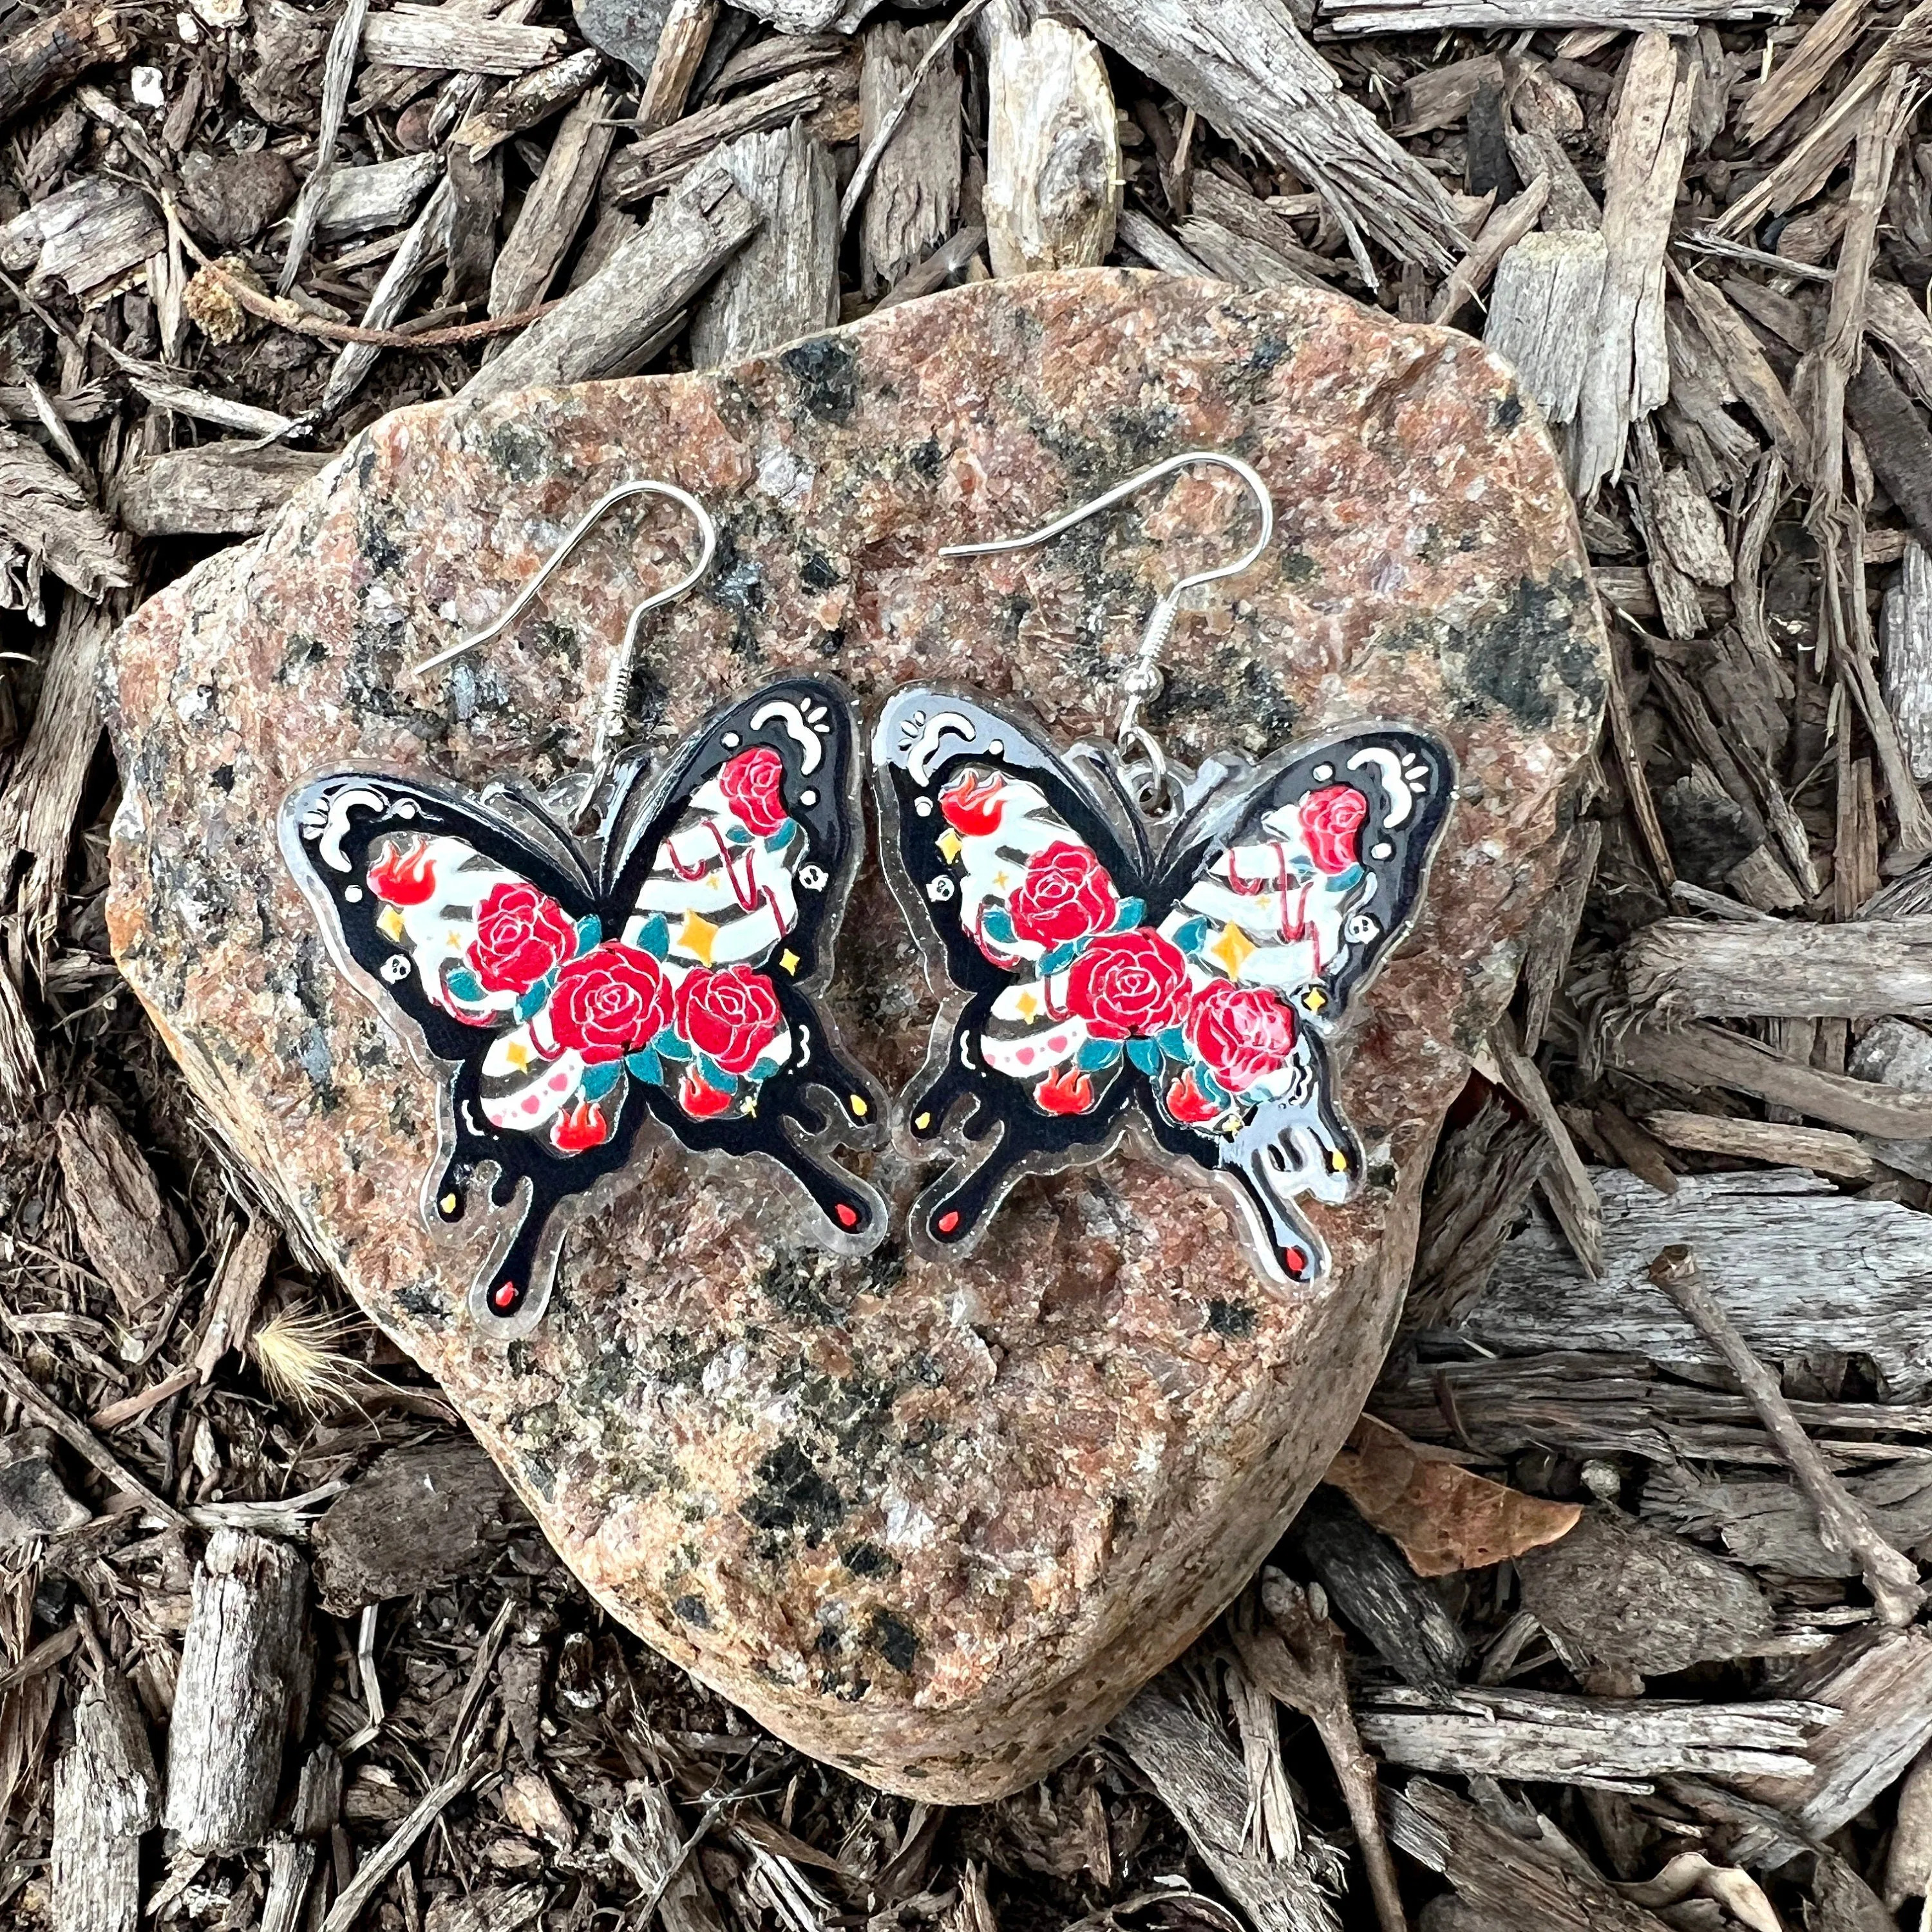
1128	983
753	784
1188	1105
615	1000
1066	895
732	1015
1243	1033
403	878
521	934
579	1129
1330	819
973	805
700	1099
1065	1091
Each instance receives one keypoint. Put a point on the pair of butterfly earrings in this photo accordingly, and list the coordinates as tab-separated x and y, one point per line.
1122	941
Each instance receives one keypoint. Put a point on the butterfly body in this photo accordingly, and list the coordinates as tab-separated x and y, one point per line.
1189	984
567	990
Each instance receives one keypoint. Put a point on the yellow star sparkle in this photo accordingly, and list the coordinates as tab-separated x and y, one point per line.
788	960
1315	999
923	1121
1026	1006
389	923
518	1056
697	936
1231	949
448	1204
948	842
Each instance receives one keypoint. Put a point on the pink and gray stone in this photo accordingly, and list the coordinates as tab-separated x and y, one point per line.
931	1522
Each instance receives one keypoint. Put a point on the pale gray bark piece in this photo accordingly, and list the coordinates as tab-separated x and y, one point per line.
1896	1053
85	236
291	1871
598	329
47	522
528	102
1628	373
1542	312
1143	236
1503	1882
1053	146
1778	968
913	204
1880	1682
105	1795
1702	1055
648	1837
1243	66
412	264
374	200
1905	634
1797	1265
1522	17
554	209
1893	315
1542	1734
337	71
1638	1598
783	283
116	1203
457	42
242	1686
1773	1525
218	490
1199	1776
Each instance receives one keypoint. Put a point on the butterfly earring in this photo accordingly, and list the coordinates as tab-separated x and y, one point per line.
614	949
1129	943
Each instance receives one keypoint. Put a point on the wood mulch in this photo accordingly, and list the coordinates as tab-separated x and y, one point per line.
1672	1304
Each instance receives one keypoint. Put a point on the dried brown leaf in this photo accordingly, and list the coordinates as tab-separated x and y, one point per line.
1442	1516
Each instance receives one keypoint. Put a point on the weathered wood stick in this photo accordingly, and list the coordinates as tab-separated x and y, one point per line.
1522	17
686	34
1890	1576
1542	310
105	1793
1504	229
528	102
1243	66
554	209
910	173
598	329
49	54
1685	968
244	1681
1199	1778
1905	634
649	166
783	283
1297	1661
218	490
1823	1149
1897	441
442	38
1707	1056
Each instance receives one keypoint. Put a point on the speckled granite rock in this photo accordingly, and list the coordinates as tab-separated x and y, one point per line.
932	1523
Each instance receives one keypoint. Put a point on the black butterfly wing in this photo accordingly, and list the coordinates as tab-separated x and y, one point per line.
1286	889
736	877
1019	873
446	913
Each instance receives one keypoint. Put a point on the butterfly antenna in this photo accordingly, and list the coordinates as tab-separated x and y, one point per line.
1143	678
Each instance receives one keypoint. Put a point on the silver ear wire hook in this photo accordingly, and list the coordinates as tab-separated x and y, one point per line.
1143	678
616	705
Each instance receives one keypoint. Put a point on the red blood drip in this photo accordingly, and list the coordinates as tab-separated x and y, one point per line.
848	1217
1296	1262
948	1221
503	1296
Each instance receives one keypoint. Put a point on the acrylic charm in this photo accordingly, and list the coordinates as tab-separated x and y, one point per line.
570	984
1129	942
